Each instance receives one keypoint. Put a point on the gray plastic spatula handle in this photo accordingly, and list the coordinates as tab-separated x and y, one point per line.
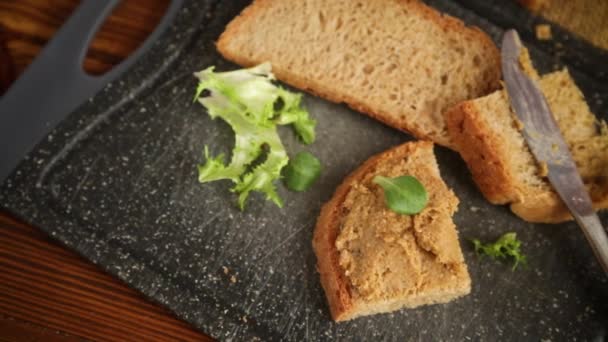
55	84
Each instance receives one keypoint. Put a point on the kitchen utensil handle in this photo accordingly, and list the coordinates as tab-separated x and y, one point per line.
55	84
596	236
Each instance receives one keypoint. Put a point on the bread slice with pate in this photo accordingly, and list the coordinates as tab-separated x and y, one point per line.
373	260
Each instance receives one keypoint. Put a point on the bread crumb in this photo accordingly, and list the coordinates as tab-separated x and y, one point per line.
543	32
543	170
474	209
226	270
244	318
233	279
519	125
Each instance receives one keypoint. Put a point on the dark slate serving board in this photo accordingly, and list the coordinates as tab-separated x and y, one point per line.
117	182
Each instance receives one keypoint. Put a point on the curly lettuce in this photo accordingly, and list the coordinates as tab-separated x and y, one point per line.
253	106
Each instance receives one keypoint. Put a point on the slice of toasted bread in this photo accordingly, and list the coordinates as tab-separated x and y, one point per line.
487	136
398	61
373	260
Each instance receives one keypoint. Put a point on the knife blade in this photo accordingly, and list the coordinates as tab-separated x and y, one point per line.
548	146
55	84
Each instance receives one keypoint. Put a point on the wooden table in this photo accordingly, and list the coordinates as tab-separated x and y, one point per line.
48	293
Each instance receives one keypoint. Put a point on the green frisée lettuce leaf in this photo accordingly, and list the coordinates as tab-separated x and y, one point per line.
253	106
293	113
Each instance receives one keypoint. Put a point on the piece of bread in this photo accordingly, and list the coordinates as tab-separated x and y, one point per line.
586	18
534	5
398	61
487	136
373	260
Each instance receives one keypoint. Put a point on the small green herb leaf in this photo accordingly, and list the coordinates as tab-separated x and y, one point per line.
302	171
506	246
403	195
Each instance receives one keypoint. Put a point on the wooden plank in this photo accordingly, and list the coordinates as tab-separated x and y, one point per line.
14	330
45	284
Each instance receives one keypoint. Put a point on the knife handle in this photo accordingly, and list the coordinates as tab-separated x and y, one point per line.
596	236
55	84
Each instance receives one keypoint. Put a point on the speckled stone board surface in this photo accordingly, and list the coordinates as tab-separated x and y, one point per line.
117	182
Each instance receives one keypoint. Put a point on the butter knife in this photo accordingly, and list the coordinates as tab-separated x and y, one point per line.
545	140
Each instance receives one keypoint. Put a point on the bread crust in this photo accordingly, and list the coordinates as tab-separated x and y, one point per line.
481	152
447	23
547	207
544	207
333	280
